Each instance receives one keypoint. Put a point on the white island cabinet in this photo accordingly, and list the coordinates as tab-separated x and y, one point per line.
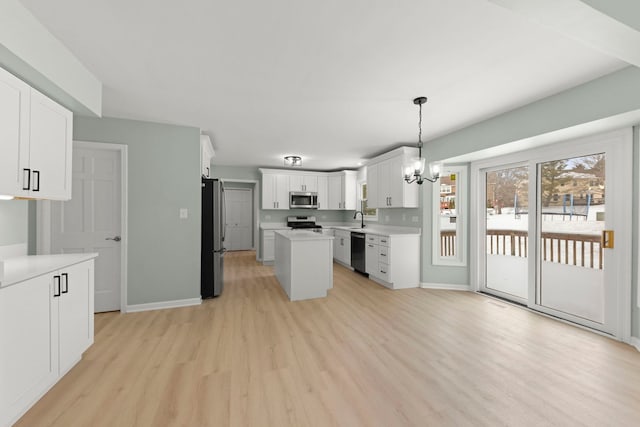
304	263
46	323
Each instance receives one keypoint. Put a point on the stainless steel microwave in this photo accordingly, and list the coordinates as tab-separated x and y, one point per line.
303	200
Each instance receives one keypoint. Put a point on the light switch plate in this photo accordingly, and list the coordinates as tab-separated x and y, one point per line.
184	213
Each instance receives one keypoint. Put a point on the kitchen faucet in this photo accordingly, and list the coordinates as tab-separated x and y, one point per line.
361	218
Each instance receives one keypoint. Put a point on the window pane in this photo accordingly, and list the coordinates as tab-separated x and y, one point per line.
448	217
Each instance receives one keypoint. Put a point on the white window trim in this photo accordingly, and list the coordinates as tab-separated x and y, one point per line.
373	218
460	259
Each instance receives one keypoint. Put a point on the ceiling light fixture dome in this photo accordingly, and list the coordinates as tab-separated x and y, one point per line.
293	161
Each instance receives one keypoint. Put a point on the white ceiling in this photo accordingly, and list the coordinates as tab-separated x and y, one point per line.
332	81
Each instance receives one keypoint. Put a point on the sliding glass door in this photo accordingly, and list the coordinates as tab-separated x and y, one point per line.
507	231
547	230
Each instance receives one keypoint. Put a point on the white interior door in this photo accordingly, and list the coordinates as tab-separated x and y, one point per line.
90	221
239	206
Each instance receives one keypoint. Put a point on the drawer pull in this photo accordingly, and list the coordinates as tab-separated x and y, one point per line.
383	272
65	276
56	282
36	180
383	254
26	176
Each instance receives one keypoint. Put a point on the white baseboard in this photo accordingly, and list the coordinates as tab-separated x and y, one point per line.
445	286
635	342
163	305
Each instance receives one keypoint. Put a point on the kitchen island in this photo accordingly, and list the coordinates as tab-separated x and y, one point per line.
304	263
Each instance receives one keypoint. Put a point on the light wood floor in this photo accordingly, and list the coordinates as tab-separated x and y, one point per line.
364	356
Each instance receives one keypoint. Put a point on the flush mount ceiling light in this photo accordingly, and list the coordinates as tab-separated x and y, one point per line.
414	168
293	161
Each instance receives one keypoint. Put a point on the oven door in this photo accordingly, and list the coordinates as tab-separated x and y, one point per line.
299	200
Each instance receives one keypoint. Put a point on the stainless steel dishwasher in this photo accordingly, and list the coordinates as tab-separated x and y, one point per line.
358	251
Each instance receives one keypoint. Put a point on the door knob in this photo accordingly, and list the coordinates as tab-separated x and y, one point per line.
116	239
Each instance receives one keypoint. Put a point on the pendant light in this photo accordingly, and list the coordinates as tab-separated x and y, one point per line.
414	168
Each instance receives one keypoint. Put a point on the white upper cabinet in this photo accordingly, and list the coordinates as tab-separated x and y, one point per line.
308	183
336	190
275	191
206	154
342	190
14	133
36	136
323	192
50	148
372	190
386	187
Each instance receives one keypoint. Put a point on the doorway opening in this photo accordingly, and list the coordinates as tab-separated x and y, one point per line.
241	197
94	220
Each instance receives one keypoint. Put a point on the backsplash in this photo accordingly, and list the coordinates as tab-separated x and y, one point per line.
321	216
13	222
407	217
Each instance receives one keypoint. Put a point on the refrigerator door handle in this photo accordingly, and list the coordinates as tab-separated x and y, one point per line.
224	211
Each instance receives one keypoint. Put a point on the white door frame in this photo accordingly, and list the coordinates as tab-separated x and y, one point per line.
256	201
623	238
43	214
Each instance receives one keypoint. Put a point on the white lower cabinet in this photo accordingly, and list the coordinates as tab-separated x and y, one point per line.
268	246
46	323
342	247
393	261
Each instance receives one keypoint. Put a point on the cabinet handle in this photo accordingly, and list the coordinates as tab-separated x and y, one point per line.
383	272
36	180
383	241
65	276
370	246
390	201
383	254
28	178
56	281
207	172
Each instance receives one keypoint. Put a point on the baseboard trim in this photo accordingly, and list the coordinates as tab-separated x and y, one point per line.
635	342
163	305
445	286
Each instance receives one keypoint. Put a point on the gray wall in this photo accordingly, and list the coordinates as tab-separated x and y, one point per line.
605	97
164	176
14	218
235	172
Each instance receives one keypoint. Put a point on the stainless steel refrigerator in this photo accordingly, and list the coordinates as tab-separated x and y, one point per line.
213	231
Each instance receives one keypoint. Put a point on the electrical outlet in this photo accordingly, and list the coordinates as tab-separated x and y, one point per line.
267	217
184	213
386	218
404	217
414	219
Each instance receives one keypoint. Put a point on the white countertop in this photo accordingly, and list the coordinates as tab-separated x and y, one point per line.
300	235
18	269
383	230
273	226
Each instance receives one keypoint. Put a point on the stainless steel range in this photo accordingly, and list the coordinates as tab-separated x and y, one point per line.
303	223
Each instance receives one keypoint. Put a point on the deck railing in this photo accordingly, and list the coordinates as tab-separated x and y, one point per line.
582	250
